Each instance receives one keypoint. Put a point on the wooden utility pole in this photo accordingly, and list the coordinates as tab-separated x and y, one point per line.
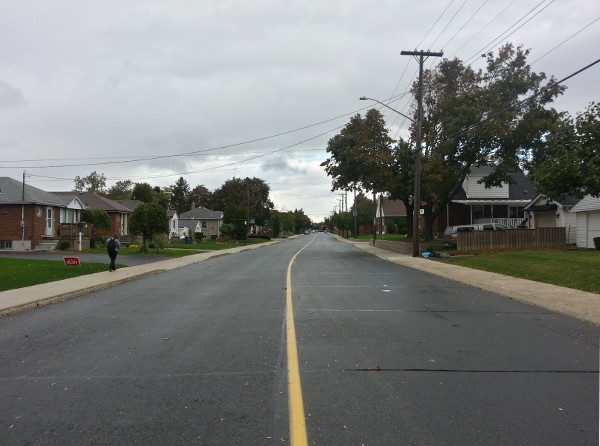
420	56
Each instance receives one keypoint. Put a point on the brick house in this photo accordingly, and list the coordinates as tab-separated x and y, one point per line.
29	217
118	213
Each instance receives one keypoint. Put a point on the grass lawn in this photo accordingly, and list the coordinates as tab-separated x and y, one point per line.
571	268
19	273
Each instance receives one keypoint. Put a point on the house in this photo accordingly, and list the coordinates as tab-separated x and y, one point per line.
543	212
200	220
118	213
587	212
29	217
173	223
474	203
389	211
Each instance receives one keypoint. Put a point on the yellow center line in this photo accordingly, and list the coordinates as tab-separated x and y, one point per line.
296	406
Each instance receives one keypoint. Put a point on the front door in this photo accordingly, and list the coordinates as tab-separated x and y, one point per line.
49	221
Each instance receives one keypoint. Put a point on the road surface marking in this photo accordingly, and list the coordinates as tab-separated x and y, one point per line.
298	435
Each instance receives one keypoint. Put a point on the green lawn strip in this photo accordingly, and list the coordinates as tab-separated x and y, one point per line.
572	269
19	273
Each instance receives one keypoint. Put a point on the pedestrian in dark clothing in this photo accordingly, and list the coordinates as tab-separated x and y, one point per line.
112	246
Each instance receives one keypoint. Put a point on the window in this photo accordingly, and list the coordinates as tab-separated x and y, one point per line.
5	244
204	225
516	212
478	211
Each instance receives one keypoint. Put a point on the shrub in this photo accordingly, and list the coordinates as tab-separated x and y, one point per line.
402	226
390	227
198	236
161	241
64	245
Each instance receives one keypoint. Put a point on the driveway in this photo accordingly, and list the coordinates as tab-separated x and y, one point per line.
83	258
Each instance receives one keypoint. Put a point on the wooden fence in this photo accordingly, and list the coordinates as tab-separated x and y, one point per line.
512	238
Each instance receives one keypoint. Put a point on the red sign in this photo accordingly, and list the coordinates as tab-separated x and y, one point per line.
72	261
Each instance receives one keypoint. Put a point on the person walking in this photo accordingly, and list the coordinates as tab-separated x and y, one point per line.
112	246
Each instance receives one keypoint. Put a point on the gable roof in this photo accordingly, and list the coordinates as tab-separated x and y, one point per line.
11	192
201	214
587	203
520	190
93	201
130	204
393	208
542	202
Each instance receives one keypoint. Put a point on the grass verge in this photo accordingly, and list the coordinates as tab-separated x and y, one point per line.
575	269
19	273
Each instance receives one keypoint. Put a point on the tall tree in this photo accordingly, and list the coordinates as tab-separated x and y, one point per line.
121	190
94	182
248	192
361	155
569	162
480	118
142	192
180	195
201	196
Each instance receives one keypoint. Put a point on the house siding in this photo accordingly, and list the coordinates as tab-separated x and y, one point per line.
473	189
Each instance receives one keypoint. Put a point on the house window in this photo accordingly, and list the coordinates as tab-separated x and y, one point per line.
5	244
478	211
516	212
204	225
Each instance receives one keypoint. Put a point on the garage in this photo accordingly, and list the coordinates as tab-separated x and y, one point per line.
588	221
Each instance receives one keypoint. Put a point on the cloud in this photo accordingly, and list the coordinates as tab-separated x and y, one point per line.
10	96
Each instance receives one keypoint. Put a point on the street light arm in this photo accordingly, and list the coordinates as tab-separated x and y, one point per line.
364	98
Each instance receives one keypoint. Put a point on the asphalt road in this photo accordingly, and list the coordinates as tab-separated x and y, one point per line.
387	356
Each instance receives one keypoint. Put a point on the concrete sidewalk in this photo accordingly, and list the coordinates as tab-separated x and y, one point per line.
574	303
578	304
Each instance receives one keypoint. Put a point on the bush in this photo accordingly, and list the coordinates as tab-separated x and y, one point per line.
402	226
597	242
151	245
390	227
161	241
64	245
198	236
98	242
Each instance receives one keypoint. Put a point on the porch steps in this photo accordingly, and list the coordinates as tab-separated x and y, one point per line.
46	245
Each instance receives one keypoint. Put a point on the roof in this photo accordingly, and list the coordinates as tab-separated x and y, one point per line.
520	191
93	201
130	204
393	208
587	204
201	214
11	192
542	201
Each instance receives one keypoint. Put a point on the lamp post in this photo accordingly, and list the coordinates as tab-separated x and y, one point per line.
417	189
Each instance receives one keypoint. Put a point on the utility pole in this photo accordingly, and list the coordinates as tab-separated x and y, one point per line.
420	56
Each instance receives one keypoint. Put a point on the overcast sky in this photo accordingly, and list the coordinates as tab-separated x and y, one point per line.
222	89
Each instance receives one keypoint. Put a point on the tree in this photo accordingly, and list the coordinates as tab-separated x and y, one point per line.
97	217
180	195
301	221
142	192
236	216
569	162
252	193
361	155
94	182
480	118
364	209
201	196
121	190
149	219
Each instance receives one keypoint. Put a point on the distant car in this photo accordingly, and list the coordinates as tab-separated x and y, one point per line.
449	240
306	232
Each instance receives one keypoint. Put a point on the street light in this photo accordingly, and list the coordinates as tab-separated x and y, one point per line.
417	190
